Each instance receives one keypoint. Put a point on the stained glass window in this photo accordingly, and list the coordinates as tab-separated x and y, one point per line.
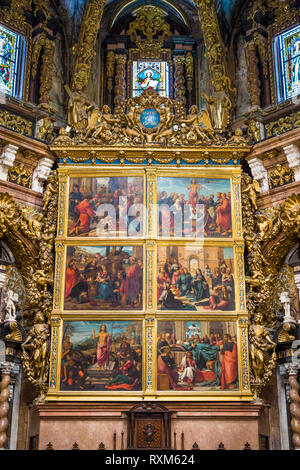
150	76
12	49
287	60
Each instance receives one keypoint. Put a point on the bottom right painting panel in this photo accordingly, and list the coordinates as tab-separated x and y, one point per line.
197	355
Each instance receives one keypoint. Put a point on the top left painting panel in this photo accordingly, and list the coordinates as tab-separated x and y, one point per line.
107	206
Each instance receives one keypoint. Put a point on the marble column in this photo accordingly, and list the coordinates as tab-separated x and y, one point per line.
6	369
293	370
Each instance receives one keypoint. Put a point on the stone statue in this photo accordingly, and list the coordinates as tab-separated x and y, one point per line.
11	298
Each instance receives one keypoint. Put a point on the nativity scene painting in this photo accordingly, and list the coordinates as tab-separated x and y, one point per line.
104	278
196	278
106	207
194	207
197	356
101	356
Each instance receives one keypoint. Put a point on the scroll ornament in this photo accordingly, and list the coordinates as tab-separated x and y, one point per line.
30	236
148	119
269	235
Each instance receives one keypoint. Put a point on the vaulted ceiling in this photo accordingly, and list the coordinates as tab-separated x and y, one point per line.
227	9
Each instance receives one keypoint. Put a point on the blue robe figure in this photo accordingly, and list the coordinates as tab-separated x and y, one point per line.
206	352
105	288
200	286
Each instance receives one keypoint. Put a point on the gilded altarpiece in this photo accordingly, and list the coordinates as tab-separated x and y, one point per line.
149	298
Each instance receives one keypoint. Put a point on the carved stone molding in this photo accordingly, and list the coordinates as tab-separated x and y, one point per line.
7	159
41	173
292	154
259	173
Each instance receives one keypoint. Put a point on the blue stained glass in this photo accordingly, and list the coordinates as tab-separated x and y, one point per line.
287	59
148	75
11	62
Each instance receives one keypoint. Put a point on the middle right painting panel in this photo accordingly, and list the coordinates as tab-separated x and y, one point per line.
195	278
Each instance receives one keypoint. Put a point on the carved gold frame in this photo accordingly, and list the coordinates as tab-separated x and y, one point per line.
149	315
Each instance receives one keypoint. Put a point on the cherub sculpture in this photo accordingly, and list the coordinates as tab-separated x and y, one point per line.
252	188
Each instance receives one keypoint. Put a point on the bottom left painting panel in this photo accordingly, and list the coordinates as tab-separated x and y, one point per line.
101	356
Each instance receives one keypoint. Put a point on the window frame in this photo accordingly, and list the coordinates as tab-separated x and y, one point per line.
280	62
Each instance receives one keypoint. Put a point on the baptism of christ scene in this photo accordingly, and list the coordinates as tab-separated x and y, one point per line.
197	355
106	206
101	355
195	278
104	278
194	207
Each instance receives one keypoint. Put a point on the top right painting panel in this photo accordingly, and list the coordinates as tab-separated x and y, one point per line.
194	207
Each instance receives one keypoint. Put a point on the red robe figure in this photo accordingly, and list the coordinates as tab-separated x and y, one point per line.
223	214
86	212
132	282
72	278
229	370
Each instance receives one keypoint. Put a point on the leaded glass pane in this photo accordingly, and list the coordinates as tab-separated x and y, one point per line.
10	61
287	47
150	76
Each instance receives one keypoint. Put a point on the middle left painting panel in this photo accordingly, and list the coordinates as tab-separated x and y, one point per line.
104	278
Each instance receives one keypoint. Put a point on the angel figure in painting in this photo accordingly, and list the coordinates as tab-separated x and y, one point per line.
103	347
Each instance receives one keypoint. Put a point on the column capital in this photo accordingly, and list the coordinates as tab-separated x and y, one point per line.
7	159
259	173
292	368
292	154
41	173
6	367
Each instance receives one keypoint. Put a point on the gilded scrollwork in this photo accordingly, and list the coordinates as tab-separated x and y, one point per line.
216	57
84	50
281	176
149	22
147	119
269	235
16	123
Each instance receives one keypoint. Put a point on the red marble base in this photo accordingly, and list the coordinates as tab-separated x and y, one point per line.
207	423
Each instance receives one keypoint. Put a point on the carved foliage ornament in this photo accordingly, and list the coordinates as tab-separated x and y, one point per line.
269	235
150	22
149	119
30	236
